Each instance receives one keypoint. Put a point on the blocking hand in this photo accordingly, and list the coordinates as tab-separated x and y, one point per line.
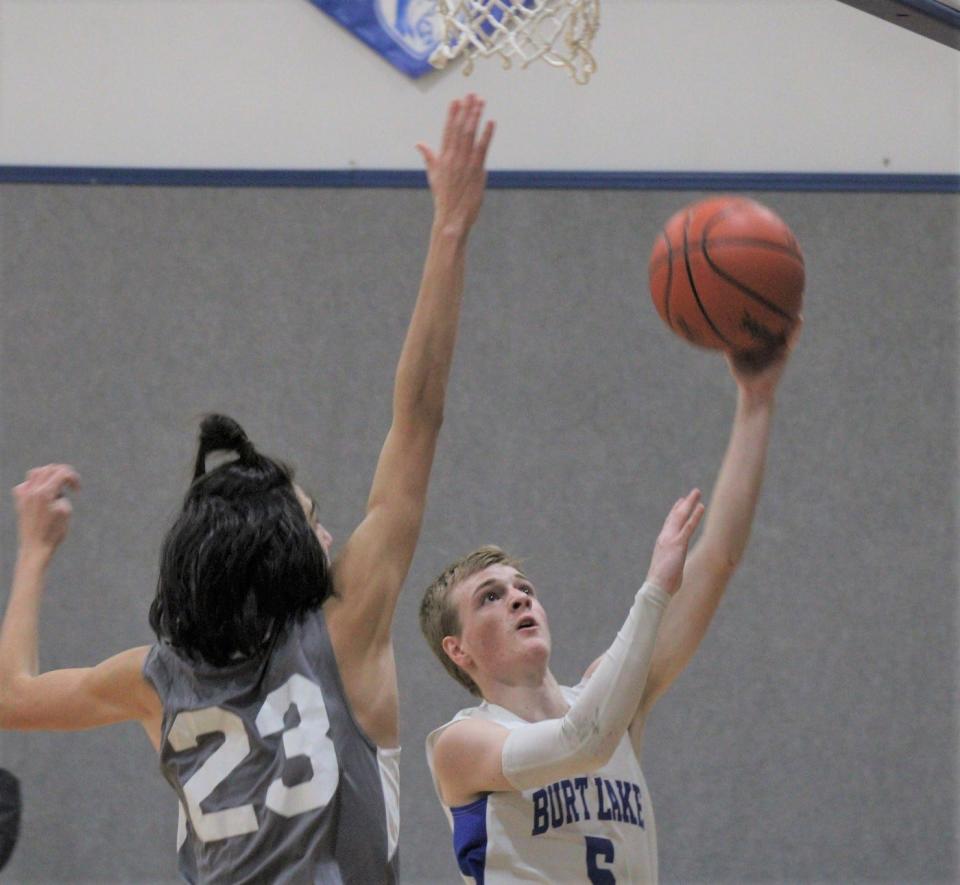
457	174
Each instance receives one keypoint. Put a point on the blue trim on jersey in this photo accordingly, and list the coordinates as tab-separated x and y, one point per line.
470	838
869	182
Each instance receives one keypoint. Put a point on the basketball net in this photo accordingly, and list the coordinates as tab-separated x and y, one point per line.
558	32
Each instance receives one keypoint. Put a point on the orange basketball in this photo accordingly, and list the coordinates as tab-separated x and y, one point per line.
727	273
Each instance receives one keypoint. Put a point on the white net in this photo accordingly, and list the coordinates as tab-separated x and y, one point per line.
558	32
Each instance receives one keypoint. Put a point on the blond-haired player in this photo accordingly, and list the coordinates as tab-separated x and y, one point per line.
541	782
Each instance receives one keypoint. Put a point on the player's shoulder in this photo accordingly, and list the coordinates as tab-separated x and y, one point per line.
458	752
121	680
126	665
467	727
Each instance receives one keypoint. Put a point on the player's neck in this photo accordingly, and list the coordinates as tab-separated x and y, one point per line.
531	701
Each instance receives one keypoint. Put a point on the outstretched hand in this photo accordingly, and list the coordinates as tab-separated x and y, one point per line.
457	174
670	550
43	510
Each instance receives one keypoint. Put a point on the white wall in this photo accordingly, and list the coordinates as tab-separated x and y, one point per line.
695	85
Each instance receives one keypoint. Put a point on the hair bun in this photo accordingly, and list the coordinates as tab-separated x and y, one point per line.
222	433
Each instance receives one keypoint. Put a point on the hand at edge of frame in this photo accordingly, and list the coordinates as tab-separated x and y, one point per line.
43	508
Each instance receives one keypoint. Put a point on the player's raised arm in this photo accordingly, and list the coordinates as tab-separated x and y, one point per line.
476	756
718	552
370	570
72	699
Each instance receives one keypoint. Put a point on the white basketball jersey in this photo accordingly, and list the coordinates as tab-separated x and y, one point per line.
594	828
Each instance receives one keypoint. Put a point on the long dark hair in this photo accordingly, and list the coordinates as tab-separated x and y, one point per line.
242	560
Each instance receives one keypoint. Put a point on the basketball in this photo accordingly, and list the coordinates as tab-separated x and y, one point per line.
727	273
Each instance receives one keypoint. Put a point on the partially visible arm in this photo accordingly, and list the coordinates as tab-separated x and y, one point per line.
473	757
371	568
726	531
65	700
80	698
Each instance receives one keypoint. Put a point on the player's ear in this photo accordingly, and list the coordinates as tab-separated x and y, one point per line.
453	650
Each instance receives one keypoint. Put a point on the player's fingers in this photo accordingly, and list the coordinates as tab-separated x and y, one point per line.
459	140
676	522
690	526
685	505
484	143
671	525
672	516
51	471
453	116
427	154
472	123
60	479
36	476
71	480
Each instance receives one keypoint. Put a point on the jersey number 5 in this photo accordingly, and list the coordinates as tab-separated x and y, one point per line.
598	848
310	738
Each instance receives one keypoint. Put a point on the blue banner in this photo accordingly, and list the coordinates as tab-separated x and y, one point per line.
404	32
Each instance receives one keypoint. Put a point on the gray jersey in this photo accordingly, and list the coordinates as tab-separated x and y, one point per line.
277	783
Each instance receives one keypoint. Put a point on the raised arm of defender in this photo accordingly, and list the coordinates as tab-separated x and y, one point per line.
476	756
370	570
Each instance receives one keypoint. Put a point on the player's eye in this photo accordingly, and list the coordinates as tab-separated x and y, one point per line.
490	596
526	588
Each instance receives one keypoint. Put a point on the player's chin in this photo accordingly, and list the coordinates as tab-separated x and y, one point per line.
535	638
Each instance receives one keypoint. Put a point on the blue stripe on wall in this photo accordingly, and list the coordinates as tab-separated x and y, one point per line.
518	179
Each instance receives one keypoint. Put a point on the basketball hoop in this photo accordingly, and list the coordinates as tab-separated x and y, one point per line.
558	32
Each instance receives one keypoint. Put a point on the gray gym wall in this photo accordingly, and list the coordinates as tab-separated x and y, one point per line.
814	736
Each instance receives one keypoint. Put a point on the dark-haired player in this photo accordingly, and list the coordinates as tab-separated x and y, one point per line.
271	695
